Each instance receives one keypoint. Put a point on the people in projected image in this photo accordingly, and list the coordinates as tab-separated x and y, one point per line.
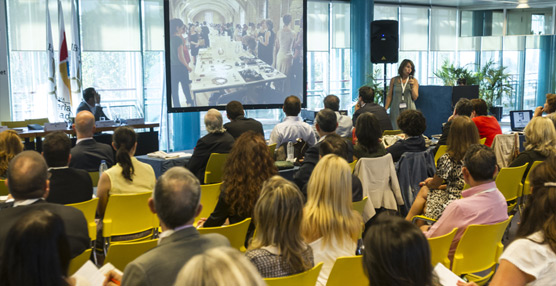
284	50
266	41
178	62
194	42
205	31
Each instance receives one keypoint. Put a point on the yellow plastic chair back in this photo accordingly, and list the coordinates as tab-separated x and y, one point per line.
235	233
94	177
483	140
306	278
527	184
128	214
88	208
348	270
14	124
352	165
4	191
478	250
272	149
509	183
209	198
215	166
442	149
360	205
39	121
440	247
122	253
391	132
78	261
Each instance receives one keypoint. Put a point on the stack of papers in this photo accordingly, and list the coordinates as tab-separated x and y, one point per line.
93	275
164	155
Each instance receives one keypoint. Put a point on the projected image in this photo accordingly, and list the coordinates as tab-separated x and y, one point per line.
223	50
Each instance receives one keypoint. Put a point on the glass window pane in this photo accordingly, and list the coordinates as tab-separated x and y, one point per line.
414	27
466	24
385	12
443	29
340	25
317	26
153	25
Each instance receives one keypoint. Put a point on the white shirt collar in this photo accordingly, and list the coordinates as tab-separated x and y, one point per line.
82	139
26	202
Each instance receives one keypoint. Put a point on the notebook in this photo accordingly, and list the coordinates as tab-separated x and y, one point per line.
520	118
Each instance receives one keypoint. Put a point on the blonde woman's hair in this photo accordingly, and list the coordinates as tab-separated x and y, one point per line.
540	136
278	215
328	213
219	266
463	133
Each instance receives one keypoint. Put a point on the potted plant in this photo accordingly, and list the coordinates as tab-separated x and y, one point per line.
494	85
449	74
374	81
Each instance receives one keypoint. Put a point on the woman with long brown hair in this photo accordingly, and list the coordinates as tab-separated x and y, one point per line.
247	167
10	145
463	133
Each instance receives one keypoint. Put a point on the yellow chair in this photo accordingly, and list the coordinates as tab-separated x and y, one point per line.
442	149
527	186
360	205
39	121
89	209
122	253
209	198
478	250
352	165
128	214
78	261
509	183
215	166
440	247
272	149
483	140
235	233
348	270
4	191
94	177
306	278
14	124
391	132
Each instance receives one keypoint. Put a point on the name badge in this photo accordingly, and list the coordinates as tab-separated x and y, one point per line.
403	105
55	126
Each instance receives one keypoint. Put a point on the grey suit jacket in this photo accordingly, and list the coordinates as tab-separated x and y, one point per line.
160	265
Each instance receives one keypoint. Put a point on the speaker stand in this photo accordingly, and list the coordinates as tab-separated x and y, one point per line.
384	90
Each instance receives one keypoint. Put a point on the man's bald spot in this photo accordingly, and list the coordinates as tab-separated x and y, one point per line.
27	175
85	122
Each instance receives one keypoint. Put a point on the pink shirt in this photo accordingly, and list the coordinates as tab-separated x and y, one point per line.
482	204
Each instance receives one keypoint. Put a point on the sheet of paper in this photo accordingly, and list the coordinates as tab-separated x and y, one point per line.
89	272
445	276
107	268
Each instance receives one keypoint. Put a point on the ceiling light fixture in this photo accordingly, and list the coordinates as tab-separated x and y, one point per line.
523	4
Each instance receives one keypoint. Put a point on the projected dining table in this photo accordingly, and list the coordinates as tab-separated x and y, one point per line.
227	65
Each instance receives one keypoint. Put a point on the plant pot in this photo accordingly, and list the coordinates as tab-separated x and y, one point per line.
496	111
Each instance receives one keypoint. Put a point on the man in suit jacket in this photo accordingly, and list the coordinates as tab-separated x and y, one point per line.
216	141
176	201
67	185
88	153
238	122
28	184
366	104
91	102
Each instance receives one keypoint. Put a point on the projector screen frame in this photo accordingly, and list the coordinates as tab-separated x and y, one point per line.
168	80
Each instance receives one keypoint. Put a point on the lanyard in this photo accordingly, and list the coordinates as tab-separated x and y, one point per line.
403	87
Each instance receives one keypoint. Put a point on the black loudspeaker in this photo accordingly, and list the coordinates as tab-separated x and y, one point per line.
384	41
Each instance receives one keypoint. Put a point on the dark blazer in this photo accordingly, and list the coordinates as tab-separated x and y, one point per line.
160	265
69	186
74	222
378	111
241	124
208	144
98	111
88	153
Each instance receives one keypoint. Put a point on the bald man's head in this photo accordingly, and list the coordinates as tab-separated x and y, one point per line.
84	124
27	176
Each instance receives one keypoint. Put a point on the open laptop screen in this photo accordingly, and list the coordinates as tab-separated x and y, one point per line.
520	118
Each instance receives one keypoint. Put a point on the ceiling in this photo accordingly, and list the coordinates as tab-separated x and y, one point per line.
473	4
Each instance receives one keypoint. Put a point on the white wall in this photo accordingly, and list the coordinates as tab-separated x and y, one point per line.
5	113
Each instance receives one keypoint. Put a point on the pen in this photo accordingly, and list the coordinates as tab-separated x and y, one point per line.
115	281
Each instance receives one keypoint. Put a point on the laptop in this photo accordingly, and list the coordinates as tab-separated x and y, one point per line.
520	118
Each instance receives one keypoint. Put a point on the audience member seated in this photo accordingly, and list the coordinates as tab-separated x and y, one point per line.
330	225
128	176
36	251
216	141
345	124
463	133
293	126
369	134
248	166
176	202
463	108
531	258
396	253
325	124
28	185
220	266
549	106
67	185
488	125
238	122
91	103
87	153
366	103
10	145
277	249
482	203
540	143
413	124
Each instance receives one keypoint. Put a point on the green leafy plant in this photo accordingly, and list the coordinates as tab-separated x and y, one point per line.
449	74
495	83
376	82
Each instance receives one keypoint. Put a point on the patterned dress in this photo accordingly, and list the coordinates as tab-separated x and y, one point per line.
271	264
437	200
